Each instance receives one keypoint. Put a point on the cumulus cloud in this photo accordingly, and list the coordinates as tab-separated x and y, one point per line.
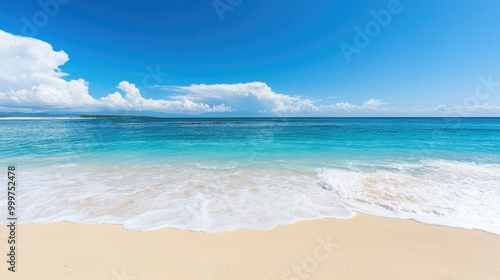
133	100
30	75
372	105
255	96
31	78
259	97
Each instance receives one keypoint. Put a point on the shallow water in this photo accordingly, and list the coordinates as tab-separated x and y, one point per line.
225	174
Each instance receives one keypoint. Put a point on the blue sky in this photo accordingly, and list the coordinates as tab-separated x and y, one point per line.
243	57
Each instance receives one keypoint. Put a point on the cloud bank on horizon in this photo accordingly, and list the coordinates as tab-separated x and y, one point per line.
31	80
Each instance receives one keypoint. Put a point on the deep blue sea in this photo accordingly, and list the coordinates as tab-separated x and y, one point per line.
225	174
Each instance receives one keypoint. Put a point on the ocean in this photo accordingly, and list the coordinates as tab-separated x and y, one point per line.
253	173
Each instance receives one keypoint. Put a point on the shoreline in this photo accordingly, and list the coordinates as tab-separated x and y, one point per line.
362	247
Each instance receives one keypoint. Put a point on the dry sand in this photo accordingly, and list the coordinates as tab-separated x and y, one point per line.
364	247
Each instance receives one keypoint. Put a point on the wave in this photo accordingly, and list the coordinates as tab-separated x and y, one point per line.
213	197
440	192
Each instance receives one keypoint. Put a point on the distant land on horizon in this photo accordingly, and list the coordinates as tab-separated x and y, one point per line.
115	117
108	115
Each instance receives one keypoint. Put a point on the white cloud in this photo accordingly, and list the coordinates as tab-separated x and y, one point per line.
372	105
259	97
463	110
254	97
30	75
134	101
30	78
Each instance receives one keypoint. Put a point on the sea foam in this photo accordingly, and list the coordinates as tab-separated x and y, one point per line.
440	192
212	198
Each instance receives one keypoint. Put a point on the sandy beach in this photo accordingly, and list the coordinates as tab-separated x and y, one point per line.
364	247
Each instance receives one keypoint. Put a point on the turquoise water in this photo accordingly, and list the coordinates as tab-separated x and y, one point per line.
224	174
